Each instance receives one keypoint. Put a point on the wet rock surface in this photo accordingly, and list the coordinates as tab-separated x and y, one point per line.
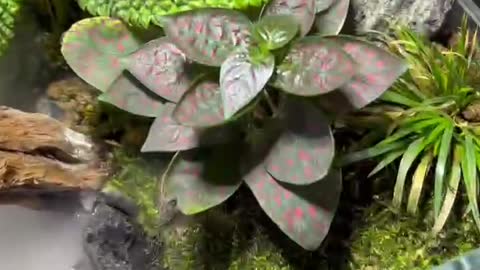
426	17
114	241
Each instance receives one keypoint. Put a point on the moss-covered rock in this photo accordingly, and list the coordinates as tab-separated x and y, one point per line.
389	241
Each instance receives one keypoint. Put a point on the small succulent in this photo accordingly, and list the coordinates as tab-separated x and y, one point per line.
230	112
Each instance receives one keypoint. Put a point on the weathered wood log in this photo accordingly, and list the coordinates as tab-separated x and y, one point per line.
38	152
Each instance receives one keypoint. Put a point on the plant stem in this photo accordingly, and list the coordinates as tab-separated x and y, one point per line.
167	170
270	102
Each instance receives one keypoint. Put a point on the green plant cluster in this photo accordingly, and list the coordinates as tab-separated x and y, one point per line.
9	14
429	121
235	100
143	13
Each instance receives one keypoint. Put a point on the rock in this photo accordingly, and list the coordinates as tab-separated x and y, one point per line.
424	16
113	240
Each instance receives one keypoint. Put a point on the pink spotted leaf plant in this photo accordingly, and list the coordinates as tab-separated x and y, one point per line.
237	100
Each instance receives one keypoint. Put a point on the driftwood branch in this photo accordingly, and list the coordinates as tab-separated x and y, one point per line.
39	152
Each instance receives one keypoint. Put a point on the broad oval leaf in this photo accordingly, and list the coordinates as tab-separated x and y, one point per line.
377	70
275	31
198	185
242	77
208	35
304	152
201	106
304	213
162	67
166	135
302	10
130	95
321	5
469	260
93	47
331	21
313	67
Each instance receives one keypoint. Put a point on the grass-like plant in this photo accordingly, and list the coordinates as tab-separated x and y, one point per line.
432	123
244	94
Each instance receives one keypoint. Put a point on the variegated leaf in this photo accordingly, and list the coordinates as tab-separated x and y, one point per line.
92	47
162	67
304	213
377	70
330	21
242	77
302	10
208	35
166	135
130	95
313	67
201	106
321	5
275	31
304	152
198	185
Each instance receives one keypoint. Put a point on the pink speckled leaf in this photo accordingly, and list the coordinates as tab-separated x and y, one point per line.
377	70
304	152
208	35
304	213
130	95
330	21
201	106
302	10
275	31
321	5
167	135
198	185
241	79
313	67
162	67
93	47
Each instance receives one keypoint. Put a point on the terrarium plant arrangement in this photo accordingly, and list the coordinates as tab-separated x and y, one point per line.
428	121
237	99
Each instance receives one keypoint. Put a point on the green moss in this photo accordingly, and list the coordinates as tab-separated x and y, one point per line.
137	180
220	241
388	241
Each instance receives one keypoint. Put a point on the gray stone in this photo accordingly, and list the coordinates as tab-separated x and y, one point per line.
425	16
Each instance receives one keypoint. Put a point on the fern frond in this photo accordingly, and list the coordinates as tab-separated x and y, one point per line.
146	12
9	12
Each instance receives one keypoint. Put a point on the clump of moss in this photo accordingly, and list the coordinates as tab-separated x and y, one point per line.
389	241
137	180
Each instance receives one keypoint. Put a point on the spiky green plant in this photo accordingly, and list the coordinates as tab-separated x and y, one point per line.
9	13
433	123
212	84
145	12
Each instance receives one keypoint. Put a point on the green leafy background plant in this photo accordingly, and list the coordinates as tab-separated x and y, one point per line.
144	13
429	121
251	120
9	13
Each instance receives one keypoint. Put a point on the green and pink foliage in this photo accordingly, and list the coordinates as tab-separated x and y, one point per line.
208	82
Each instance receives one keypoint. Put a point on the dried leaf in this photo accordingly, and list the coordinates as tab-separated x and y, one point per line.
242	77
302	10
166	135
198	185
377	70
313	67
202	106
130	95
208	35
304	152
161	67
92	47
275	31
330	21
304	213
